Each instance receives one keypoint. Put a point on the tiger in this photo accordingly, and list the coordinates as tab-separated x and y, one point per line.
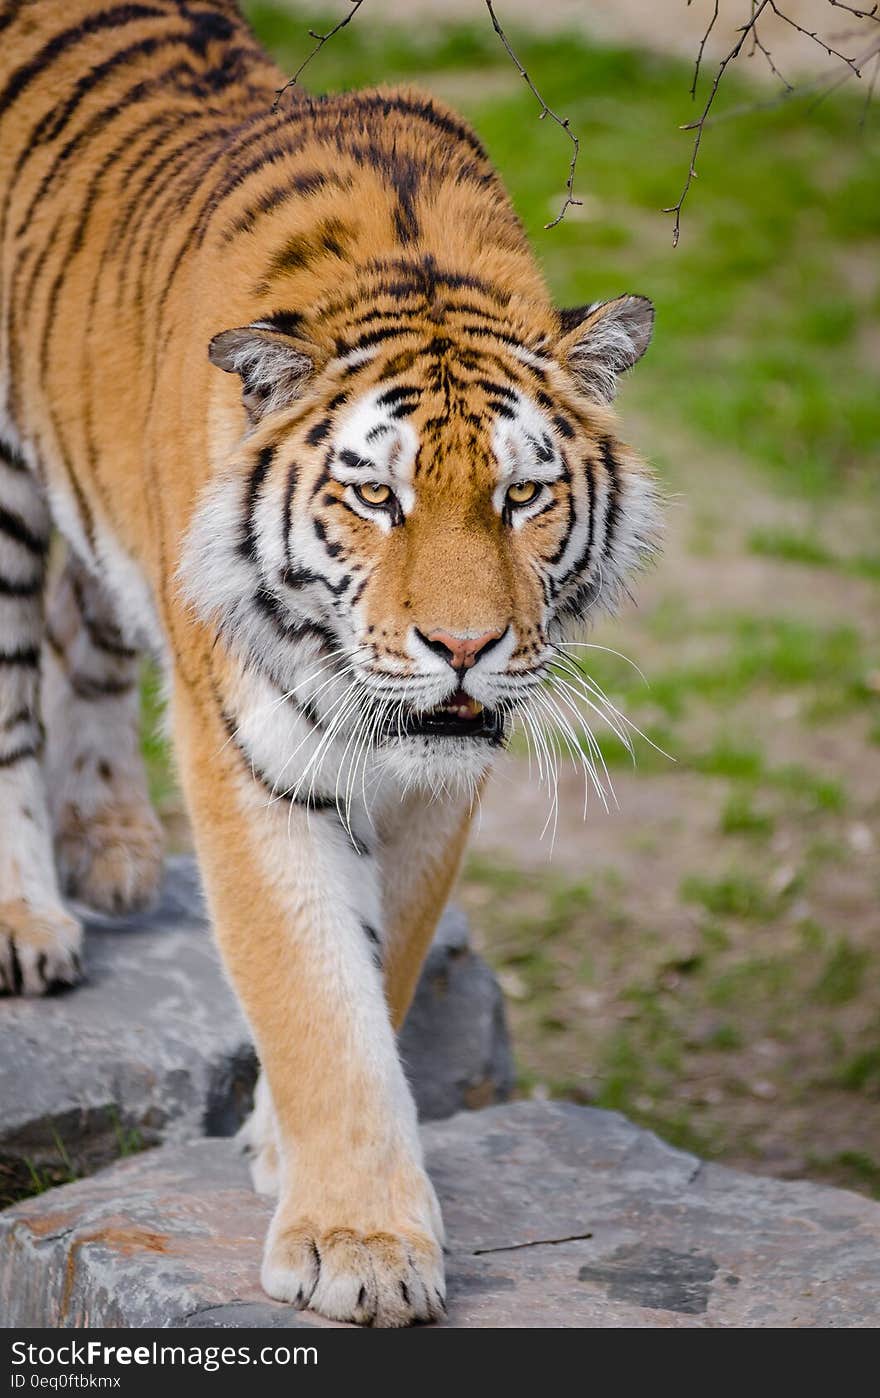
286	403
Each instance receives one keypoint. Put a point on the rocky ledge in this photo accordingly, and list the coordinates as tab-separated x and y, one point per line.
153	1048
556	1216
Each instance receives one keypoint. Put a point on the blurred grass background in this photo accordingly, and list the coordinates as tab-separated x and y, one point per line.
707	957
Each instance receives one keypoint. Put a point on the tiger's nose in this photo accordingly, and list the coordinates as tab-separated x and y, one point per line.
461	652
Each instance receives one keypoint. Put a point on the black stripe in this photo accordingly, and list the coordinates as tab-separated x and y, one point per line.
22	715
11	457
53	122
119	107
17	978
24	655
273	609
285	322
359	591
104	636
66	39
14	527
582	564
110	644
312	802
154	184
375	941
374	337
9	588
424	109
269	199
10	12
318	431
563	426
497	390
248	545
612	513
87	687
355	462
19	754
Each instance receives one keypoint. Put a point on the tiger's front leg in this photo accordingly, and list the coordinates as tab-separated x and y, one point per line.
296	905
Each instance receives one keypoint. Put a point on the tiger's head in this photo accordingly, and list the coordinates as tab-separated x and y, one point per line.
429	506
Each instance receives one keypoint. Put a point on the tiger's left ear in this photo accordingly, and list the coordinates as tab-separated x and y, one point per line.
273	367
602	340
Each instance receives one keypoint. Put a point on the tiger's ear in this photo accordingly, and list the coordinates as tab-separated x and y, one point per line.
602	340
274	368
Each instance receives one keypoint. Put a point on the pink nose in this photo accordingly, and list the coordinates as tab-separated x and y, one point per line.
461	651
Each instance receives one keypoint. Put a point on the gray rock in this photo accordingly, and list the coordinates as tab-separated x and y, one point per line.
556	1216
153	1047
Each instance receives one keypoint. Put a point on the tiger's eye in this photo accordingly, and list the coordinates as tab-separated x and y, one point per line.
522	492
373	493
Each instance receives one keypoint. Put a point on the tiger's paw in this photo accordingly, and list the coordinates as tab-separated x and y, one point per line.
387	1279
111	858
39	949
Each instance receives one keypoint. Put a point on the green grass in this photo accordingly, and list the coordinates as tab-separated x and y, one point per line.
852	1168
793	546
735	894
677	1039
843	974
759	325
741	817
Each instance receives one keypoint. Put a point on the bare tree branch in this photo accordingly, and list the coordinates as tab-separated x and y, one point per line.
748	31
545	111
322	40
703	42
812	34
698	126
761	48
873	13
851	67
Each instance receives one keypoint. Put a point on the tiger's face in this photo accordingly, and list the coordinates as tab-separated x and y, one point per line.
443	513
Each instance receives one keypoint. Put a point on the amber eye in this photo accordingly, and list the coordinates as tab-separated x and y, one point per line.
522	492
373	493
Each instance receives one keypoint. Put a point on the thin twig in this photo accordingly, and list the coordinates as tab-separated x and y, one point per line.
545	111
811	34
322	39
703	42
823	85
873	13
761	47
852	66
698	126
843	74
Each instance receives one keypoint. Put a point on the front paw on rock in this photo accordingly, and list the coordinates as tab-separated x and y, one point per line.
39	949
378	1278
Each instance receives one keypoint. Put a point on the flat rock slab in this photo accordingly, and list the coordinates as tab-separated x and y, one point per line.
556	1215
154	1048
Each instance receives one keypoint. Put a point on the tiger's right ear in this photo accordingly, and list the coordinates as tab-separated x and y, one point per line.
273	367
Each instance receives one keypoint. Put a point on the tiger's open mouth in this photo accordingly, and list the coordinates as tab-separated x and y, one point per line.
459	716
